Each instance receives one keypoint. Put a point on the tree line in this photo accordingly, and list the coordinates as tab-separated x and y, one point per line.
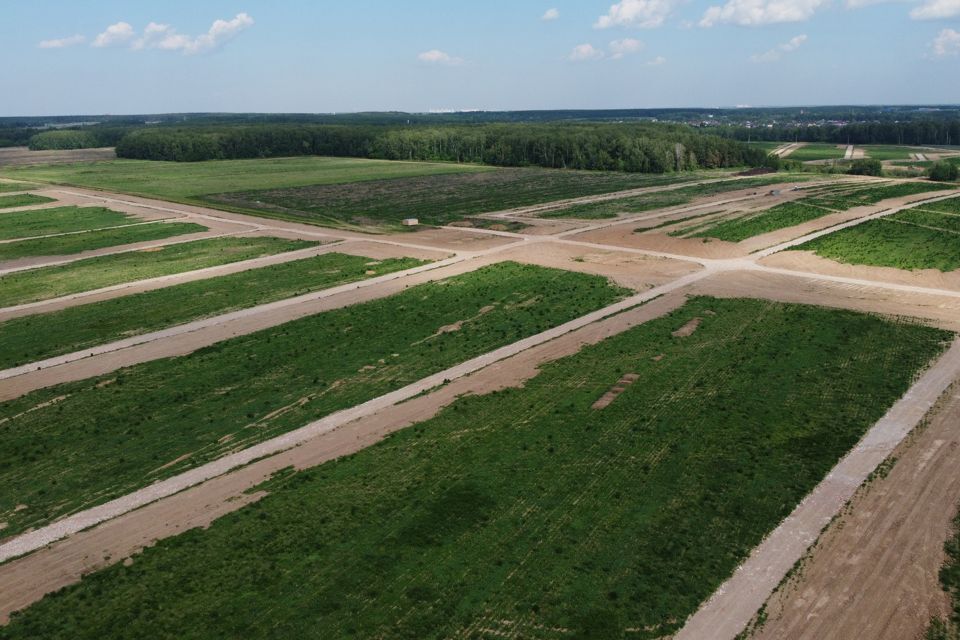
943	131
642	148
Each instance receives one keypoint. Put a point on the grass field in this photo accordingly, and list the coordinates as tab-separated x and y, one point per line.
816	151
94	273
16	186
24	224
23	200
434	199
88	241
527	513
187	180
951	205
850	198
35	337
766	146
891	152
782	216
78	444
905	240
664	199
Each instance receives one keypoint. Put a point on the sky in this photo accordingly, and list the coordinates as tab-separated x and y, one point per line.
321	56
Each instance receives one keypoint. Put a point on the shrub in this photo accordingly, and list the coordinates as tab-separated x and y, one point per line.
865	167
944	172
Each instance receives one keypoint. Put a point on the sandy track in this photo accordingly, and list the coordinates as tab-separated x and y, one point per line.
874	573
733	605
20	156
27	579
785	150
38	538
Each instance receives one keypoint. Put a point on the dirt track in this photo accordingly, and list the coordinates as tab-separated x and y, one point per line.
874	572
20	156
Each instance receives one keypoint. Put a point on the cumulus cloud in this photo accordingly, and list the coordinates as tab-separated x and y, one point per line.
585	52
435	56
947	43
936	10
777	52
61	43
751	13
118	33
550	14
645	14
620	48
859	4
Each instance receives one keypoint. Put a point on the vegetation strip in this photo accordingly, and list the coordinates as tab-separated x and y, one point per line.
90	240
45	283
25	224
33	338
15	186
154	420
782	216
23	200
527	509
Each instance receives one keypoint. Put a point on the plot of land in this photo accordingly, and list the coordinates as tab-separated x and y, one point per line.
79	242
527	512
36	337
77	444
23	200
104	271
15	186
848	198
905	240
892	152
815	151
664	199
433	199
781	216
25	224
186	180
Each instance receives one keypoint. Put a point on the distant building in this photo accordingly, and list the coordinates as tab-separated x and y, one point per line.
410	222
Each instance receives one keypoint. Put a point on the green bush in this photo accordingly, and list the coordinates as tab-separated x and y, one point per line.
866	167
944	172
63	139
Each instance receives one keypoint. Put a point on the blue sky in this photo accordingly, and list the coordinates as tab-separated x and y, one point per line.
104	56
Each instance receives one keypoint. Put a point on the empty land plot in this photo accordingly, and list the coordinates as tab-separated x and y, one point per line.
528	512
892	152
906	240
782	216
44	283
943	206
809	152
16	186
90	240
23	200
850	198
434	199
36	337
25	224
79	444
186	180
663	199
949	628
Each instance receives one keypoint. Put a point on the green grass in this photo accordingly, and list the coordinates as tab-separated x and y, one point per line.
94	273
782	216
35	337
88	241
25	224
951	205
816	151
434	200
766	146
16	186
185	180
890	152
872	195
949	629
23	200
78	444
895	242
527	511
664	199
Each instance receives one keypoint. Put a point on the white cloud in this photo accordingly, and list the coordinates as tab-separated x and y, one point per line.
646	14
620	48
114	34
165	37
656	62
777	52
752	13
947	43
550	14
585	52
61	43
936	10
435	56
860	4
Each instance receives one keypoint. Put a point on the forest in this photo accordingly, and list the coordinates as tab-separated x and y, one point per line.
644	148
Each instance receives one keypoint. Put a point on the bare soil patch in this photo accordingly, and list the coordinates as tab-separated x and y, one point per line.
611	395
20	156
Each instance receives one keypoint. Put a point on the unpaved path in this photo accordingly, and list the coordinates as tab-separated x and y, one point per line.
874	572
26	580
21	156
848	154
785	150
733	605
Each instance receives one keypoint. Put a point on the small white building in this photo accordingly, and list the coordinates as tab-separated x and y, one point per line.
410	222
